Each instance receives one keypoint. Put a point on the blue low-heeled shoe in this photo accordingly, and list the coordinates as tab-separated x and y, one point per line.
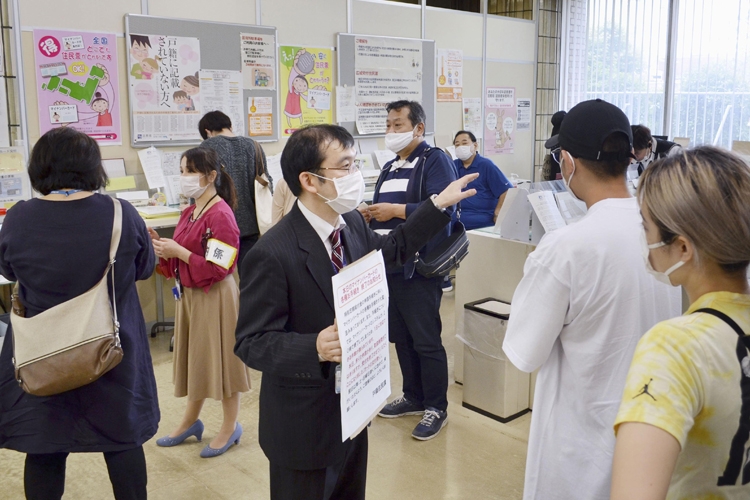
195	430
209	452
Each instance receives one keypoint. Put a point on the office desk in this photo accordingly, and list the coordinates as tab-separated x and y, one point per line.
157	224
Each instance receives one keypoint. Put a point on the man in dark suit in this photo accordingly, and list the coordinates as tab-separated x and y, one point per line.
286	327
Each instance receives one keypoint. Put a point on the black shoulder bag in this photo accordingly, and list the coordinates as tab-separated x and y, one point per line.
451	251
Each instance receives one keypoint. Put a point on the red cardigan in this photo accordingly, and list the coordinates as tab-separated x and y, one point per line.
219	219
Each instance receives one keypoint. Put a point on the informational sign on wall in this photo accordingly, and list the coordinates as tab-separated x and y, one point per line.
523	114
473	115
386	70
258	62
500	120
450	79
164	83
222	91
306	84
260	116
78	84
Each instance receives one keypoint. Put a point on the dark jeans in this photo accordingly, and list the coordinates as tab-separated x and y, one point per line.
44	475
344	481
246	243
415	328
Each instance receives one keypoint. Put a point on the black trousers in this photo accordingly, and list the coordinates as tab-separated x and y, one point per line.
344	481
44	474
415	328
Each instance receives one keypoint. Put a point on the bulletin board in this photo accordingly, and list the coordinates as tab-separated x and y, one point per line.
220	49
346	53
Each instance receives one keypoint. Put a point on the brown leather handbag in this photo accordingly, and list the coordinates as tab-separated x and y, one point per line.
74	343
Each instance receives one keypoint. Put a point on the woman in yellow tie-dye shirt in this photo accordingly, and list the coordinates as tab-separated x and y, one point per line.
683	429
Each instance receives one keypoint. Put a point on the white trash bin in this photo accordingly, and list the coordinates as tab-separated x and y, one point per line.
492	385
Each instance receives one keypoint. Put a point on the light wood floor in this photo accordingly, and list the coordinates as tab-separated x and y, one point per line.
473	458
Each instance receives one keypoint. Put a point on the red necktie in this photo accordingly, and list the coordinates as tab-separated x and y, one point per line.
337	251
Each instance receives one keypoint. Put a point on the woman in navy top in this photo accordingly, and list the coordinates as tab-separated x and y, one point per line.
57	247
480	210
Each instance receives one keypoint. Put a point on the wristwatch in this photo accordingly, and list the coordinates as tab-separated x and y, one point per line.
434	201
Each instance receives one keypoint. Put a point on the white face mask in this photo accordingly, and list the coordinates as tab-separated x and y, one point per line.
661	277
350	191
190	185
463	153
569	179
397	141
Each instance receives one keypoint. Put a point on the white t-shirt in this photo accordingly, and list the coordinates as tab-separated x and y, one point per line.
584	302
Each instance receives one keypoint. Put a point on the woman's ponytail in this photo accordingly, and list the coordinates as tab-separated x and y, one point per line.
225	188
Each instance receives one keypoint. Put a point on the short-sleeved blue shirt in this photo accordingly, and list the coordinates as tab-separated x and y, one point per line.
479	210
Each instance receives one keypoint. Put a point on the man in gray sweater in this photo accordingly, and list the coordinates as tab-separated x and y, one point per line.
238	155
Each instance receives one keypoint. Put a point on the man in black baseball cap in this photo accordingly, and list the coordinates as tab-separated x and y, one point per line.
584	301
599	135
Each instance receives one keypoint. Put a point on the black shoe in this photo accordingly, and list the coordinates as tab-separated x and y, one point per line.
432	423
400	407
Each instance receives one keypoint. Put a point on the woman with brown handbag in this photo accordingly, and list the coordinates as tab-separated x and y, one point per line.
57	248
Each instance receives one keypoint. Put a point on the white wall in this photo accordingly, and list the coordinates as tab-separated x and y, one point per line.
510	48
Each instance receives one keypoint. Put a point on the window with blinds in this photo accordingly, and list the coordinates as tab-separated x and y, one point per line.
711	103
626	52
625	55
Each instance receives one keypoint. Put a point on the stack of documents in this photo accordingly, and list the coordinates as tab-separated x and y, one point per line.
136	198
159	211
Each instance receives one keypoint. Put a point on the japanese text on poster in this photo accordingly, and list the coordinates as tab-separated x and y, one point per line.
387	85
346	110
222	91
259	116
473	115
361	307
301	70
499	120
523	114
258	61
381	52
371	117
386	70
450	78
165	91
77	83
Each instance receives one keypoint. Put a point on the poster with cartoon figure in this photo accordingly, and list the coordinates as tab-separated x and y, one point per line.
164	85
500	120
300	71
77	83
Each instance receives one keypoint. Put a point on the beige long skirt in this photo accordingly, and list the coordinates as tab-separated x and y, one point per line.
205	365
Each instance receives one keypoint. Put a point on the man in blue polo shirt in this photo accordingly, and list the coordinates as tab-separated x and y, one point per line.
413	177
491	186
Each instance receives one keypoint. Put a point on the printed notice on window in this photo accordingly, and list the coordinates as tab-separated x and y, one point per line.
361	304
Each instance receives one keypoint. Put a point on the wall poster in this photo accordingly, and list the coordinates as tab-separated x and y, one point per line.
500	120
258	54
306	83
164	83
450	79
385	70
78	84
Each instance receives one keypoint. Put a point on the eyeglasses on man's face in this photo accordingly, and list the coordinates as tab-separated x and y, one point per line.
350	169
557	155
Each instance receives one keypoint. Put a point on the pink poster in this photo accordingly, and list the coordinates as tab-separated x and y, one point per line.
77	83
